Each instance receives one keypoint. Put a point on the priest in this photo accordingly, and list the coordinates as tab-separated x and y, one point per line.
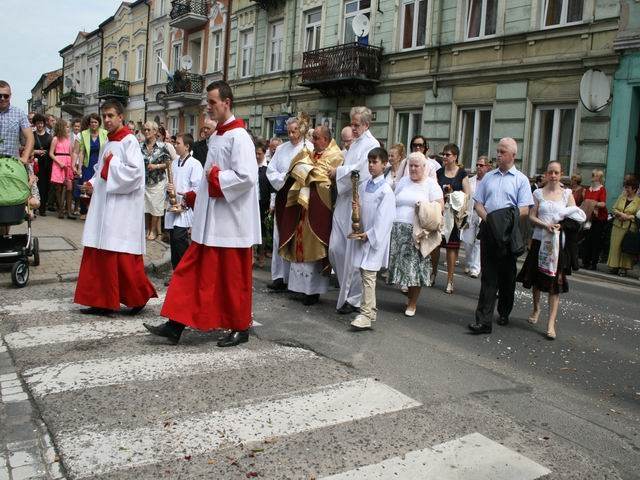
277	173
304	209
211	287
340	250
112	268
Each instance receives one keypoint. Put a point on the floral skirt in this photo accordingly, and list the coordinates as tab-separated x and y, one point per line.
407	267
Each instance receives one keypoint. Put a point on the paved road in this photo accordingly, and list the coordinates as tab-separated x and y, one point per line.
416	398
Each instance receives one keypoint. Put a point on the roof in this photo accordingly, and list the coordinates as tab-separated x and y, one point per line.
48	78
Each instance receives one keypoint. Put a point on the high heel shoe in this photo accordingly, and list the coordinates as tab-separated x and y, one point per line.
449	288
533	318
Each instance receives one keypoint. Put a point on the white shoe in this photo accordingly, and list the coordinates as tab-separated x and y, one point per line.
361	323
409	312
474	274
466	270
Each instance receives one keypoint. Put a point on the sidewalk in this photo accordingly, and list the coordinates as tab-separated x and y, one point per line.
61	251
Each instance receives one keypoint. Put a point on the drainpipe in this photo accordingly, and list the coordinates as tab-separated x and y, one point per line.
293	49
146	59
434	84
227	37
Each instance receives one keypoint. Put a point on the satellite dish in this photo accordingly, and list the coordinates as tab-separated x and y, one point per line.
361	25
595	90
186	62
68	82
114	74
160	96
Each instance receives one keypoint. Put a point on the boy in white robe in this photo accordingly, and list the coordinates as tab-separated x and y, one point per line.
371	248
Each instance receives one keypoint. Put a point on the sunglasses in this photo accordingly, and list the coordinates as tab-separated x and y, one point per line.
478	165
5	96
415	145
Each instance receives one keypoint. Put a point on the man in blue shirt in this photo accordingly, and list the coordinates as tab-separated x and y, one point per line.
13	121
502	188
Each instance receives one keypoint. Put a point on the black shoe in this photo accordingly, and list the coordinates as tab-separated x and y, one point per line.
347	308
311	299
234	338
479	328
277	285
170	330
95	311
135	310
503	321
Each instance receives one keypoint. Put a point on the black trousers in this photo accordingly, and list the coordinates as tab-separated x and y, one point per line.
497	279
179	242
593	243
44	185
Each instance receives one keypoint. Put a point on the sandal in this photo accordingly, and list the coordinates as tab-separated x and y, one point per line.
533	318
151	236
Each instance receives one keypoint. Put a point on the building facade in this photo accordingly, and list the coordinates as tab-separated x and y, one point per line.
81	72
124	57
45	94
463	71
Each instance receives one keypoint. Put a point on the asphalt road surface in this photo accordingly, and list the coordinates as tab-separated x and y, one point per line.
415	398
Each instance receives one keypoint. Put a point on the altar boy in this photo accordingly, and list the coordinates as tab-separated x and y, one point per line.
371	250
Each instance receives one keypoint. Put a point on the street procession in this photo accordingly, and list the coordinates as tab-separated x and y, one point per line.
291	239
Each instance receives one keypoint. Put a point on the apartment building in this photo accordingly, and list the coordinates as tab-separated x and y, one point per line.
463	71
45	94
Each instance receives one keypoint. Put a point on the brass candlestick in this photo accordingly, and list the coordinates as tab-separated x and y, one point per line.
175	206
355	210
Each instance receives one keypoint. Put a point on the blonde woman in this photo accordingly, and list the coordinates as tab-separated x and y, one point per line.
156	157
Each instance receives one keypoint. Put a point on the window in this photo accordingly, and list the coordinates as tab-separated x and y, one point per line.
174	126
89	88
562	12
276	32
482	16
413	23
553	137
351	9
246	52
408	125
176	57
475	135
191	125
109	65
161	7
158	65
124	71
312	29
217	50
140	63
269	127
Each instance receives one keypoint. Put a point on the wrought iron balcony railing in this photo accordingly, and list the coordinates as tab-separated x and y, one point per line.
185	87
118	89
72	98
188	14
351	67
268	4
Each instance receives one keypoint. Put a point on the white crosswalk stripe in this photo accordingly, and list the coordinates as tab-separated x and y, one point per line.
334	400
96	452
472	457
139	368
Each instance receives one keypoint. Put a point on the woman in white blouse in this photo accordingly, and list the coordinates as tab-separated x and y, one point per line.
407	267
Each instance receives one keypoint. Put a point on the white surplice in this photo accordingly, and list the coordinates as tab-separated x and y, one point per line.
307	278
187	176
277	171
231	221
115	220
340	252
377	213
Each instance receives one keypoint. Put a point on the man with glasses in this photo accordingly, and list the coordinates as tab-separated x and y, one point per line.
13	122
340	249
469	234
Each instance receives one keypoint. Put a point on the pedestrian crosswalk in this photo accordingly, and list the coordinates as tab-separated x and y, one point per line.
72	364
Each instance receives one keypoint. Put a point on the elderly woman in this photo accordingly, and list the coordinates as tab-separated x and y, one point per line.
452	178
392	174
407	267
595	200
624	216
156	157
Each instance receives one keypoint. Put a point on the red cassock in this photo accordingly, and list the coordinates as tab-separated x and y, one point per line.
108	279
211	288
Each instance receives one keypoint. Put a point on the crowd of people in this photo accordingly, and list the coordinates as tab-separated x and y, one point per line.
297	205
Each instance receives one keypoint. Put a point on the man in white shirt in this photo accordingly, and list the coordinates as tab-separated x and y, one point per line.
346	138
277	171
340	254
187	174
212	285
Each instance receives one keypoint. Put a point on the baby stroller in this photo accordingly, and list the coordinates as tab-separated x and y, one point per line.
14	193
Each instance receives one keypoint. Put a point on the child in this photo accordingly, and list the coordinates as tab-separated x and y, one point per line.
61	169
377	213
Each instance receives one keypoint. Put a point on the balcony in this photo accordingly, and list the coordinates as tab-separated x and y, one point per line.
186	88
188	14
352	68
72	103
268	4
116	89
